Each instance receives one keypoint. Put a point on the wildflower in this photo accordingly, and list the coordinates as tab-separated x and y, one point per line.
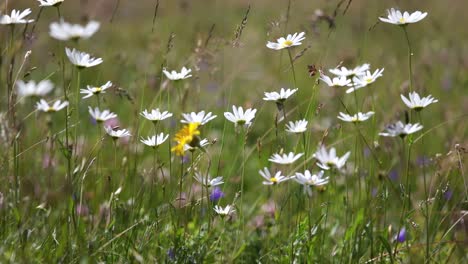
279	97
359	117
239	117
187	135
308	179
401	236
278	178
365	79
50	2
216	194
414	101
16	17
199	117
66	31
30	88
343	71
82	59
90	90
397	18
154	141
101	116
327	160
285	158
297	127
155	115
401	130
42	105
289	41
175	76
115	134
207	181
224	211
336	81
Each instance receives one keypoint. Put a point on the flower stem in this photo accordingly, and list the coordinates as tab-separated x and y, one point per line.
292	67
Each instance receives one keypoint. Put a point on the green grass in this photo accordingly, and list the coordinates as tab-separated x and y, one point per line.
51	213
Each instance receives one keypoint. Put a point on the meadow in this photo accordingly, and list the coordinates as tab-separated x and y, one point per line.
233	131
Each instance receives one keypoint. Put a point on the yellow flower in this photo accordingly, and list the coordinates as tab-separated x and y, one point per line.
187	135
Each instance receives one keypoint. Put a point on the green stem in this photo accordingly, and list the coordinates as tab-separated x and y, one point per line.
292	67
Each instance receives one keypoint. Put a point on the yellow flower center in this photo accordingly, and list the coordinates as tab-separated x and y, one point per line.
273	180
402	20
287	43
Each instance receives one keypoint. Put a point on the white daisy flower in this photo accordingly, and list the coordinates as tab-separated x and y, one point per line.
16	17
297	127
155	115
285	158
365	79
279	97
175	76
336	81
397	18
30	88
414	101
343	71
90	90
326	160
207	181
101	116
199	117
43	106
82	59
278	178
399	129
289	41
239	117
308	179
359	117
50	2
224	211
203	143
66	31
115	134
154	141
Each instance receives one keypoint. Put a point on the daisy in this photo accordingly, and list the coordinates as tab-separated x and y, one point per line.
30	88
285	158
90	90
175	76
82	59
66	31
399	129
279	97
289	41
365	79
327	160
239	117
115	134
154	141
199	117
16	17
336	81
308	179
359	117
207	181
297	127
187	135
43	106
155	115
50	2
278	178
224	211
397	18
414	101
101	116
343	71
